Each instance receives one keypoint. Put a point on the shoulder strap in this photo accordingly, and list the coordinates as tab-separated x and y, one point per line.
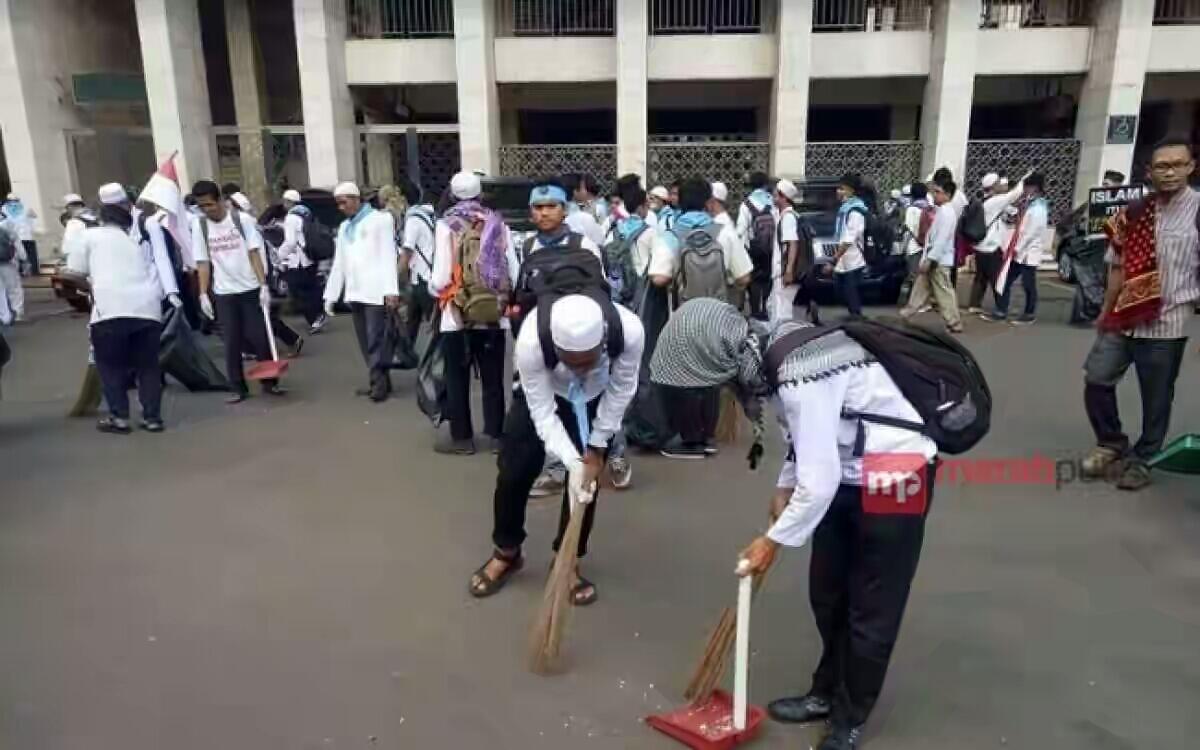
777	352
574	241
237	222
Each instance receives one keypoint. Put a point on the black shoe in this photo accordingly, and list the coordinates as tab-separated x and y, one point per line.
842	738
274	390
801	709
362	392
237	397
153	425
710	447
318	325
114	426
295	352
455	447
494	444
377	395
676	448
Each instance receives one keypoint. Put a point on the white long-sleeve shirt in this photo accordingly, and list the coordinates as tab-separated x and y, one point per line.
156	252
124	283
823	442
939	245
291	252
996	229
614	382
365	266
582	222
1032	234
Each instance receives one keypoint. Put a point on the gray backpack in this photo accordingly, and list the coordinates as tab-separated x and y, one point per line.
701	264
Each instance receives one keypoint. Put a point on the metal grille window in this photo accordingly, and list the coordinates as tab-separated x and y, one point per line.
707	16
1056	159
1007	14
730	163
1171	12
555	17
400	19
885	164
871	15
597	160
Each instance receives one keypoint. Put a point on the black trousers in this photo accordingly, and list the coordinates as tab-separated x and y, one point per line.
987	266
304	290
186	281
847	284
243	329
859	578
485	348
1157	362
122	346
31	257
758	293
1028	277
692	412
522	455
283	331
420	308
375	343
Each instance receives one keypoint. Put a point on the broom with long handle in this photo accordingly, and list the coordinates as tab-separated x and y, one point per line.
550	623
715	659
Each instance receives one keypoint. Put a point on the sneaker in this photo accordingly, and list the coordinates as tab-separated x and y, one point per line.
1134	476
1025	320
1097	463
295	352
237	397
801	709
710	447
153	425
975	310
453	447
993	317
548	483
274	390
842	738
318	325
923	309
676	448
620	472
114	426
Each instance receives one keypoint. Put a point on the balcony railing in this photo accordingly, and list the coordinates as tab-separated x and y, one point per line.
1176	12
709	16
871	15
1006	14
400	19
555	17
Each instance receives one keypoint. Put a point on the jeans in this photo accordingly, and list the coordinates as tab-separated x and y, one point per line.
371	329
1157	362
858	583
243	328
122	346
847	284
304	291
485	348
692	412
987	266
522	454
1028	276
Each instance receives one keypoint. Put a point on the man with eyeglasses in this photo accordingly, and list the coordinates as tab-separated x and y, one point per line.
1153	285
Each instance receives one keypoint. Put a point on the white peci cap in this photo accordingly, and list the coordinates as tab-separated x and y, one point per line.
787	189
989	179
576	323
112	194
660	192
346	189
465	186
71	198
720	192
291	195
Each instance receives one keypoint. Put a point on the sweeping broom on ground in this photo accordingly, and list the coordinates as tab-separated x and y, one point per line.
715	659
729	418
550	624
88	402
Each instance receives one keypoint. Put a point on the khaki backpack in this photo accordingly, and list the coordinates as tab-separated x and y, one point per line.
478	303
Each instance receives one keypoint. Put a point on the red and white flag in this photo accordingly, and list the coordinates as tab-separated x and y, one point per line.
163	191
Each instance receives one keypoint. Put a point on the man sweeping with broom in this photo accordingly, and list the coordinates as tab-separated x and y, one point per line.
577	355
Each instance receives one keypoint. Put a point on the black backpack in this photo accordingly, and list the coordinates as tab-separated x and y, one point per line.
555	271
762	232
878	236
318	238
938	376
972	225
618	264
808	254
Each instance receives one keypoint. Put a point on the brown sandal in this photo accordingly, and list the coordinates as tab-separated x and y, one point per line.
482	585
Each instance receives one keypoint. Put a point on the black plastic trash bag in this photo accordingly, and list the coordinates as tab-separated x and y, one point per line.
431	374
1091	279
180	356
404	350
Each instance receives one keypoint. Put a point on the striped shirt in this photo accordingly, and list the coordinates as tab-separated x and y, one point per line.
1177	245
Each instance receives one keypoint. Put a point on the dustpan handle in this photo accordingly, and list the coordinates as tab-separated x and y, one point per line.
741	659
270	333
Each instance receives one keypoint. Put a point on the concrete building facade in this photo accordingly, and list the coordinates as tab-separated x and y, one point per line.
299	92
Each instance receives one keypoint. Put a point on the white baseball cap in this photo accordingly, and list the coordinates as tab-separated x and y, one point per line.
660	192
576	323
465	186
346	189
291	195
112	194
720	191
787	189
70	198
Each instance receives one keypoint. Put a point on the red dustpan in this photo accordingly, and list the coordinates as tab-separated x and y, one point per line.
723	721
274	368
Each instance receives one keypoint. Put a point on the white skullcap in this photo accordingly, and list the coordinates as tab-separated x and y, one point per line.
346	189
1003	182
906	190
12	197
70	198
896	193
291	195
576	323
241	201
660	192
112	194
720	192
989	179
787	188
465	186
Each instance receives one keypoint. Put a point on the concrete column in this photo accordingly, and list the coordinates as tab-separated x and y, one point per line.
633	121
789	99
478	99
173	63
35	150
950	88
246	71
329	136
1113	87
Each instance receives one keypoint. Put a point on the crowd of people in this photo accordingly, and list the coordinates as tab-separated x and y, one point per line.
629	314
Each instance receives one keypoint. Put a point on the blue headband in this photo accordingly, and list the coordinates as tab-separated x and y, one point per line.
547	194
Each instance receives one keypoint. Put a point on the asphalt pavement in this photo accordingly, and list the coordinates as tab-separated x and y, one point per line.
293	574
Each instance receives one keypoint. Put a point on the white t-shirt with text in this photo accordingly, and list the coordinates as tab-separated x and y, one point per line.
228	252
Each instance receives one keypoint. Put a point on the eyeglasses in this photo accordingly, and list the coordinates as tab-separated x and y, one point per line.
1163	167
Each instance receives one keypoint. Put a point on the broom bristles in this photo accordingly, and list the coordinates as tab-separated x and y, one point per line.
550	624
715	659
88	401
728	419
